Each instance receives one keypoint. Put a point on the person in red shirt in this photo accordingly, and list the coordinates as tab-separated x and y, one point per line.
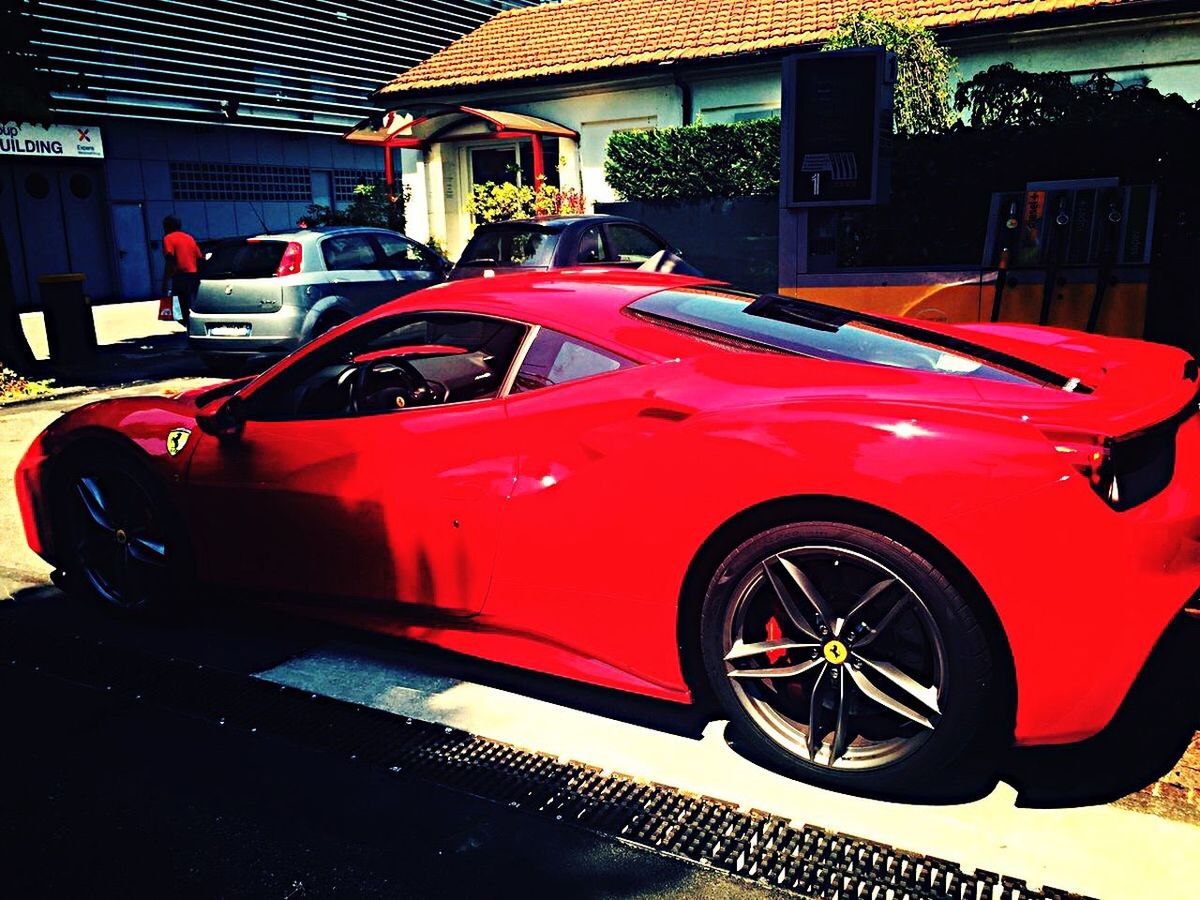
182	270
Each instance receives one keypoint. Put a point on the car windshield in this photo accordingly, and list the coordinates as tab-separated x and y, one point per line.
244	259
826	332
512	245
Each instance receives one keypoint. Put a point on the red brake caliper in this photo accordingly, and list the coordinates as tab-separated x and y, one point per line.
774	633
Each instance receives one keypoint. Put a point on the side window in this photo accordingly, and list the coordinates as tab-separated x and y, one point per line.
631	244
348	251
461	357
554	358
592	246
400	254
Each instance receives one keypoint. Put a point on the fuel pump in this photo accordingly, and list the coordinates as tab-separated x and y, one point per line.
1074	254
1055	250
1008	240
1068	254
1111	225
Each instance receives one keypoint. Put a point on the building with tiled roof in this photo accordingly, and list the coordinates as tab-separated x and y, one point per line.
588	68
578	37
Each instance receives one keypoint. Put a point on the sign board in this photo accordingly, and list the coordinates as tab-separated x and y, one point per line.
63	141
837	127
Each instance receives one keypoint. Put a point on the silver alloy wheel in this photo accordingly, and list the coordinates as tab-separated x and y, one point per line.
835	657
118	545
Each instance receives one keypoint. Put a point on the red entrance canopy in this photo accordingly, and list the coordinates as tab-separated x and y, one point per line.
453	123
457	123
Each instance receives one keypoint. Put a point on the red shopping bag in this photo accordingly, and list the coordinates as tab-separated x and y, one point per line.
168	309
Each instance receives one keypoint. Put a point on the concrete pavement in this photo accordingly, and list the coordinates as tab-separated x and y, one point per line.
1098	850
110	797
115	323
133	348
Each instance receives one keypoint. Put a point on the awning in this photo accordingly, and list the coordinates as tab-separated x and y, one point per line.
453	123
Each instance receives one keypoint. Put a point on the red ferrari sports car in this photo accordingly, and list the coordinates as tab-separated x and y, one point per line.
874	545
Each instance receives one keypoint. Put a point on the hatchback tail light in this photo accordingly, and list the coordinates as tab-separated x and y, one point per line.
289	263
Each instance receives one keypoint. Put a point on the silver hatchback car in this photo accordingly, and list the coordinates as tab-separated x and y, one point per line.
262	297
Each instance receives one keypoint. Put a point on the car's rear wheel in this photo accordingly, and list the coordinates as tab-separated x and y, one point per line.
846	658
328	321
225	365
119	542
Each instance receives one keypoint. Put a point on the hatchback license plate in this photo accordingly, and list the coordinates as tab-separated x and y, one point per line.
229	330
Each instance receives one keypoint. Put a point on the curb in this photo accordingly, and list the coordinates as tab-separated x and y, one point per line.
67	393
46	398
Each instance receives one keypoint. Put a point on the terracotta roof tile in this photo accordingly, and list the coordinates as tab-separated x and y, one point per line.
578	36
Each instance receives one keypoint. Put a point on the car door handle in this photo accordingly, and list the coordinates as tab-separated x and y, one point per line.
666	413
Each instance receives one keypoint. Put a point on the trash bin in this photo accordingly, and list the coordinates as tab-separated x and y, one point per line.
70	328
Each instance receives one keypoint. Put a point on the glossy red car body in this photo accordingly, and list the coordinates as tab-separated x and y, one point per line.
554	529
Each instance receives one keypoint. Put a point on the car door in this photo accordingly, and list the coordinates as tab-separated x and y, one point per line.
409	266
354	265
578	412
591	248
629	245
403	506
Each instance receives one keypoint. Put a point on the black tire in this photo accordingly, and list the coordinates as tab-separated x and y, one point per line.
327	321
224	366
935	639
140	526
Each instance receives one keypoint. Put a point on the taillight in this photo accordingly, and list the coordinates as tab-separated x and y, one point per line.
1091	456
289	263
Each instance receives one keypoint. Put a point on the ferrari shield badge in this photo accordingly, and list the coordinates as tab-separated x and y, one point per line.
177	439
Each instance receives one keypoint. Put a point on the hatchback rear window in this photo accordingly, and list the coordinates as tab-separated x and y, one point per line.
510	246
827	332
244	259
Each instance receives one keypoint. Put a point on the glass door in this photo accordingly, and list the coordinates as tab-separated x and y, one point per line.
498	163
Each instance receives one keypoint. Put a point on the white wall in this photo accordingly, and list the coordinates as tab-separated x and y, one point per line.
449	222
569	174
416	206
749	94
1166	57
597	115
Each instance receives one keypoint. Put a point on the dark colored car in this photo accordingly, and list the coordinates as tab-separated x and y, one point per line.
564	241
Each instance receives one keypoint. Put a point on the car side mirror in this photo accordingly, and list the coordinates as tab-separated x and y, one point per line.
227	421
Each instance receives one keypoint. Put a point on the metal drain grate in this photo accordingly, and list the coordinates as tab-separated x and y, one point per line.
752	844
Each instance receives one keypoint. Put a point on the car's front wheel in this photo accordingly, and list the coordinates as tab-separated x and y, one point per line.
120	543
847	659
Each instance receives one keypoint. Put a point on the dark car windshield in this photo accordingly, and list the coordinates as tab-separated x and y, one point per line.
510	245
243	259
826	332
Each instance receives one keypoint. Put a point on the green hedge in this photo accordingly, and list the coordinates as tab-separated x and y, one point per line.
739	159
